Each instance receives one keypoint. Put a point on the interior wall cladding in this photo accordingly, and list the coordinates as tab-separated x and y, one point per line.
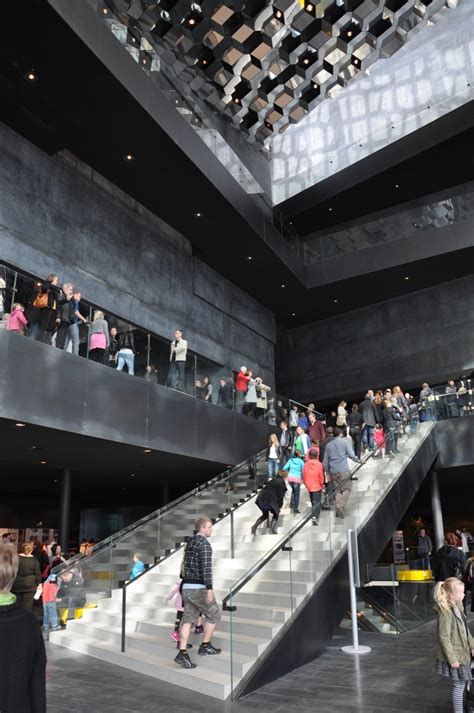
265	65
56	218
428	334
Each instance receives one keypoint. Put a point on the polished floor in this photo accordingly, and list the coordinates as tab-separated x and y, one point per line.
397	677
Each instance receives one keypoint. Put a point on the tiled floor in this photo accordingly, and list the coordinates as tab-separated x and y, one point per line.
397	677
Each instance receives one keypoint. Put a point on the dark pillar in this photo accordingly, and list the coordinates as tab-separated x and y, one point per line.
436	511
65	510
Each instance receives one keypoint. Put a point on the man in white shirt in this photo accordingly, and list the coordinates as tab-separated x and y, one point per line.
178	352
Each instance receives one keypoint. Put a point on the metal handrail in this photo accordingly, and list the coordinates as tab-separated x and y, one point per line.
318	413
283	545
158	514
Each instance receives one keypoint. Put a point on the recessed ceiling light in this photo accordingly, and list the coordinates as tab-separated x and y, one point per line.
306	60
198	215
349	34
34	448
406	277
293	314
335	301
396	185
31	76
105	11
309	7
330	210
278	13
132	475
55	481
43	462
20	425
129	157
249	257
282	285
147	450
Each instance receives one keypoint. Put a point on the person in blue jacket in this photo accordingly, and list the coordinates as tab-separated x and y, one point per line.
138	567
295	477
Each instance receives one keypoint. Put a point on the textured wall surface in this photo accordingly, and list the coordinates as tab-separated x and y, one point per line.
56	216
425	335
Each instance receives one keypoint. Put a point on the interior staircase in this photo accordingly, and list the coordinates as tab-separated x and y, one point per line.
265	605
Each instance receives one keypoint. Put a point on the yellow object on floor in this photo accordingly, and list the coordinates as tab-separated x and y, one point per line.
78	613
415	575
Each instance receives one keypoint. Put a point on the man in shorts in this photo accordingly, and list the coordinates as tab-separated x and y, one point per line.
198	595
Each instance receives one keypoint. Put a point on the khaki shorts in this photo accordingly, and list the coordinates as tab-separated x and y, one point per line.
194	602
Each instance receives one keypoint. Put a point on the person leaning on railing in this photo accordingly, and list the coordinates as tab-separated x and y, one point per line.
22	653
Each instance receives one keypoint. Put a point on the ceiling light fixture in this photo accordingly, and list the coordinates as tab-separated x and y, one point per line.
349	34
406	277
20	425
330	210
335	301
293	314
132	475
105	11
249	257
31	76
306	60
147	450
397	186
191	21
282	285
309	7
278	13
43	462
129	157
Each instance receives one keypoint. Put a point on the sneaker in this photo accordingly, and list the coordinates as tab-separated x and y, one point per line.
315	521
296	512
209	650
56	628
182	659
175	635
198	629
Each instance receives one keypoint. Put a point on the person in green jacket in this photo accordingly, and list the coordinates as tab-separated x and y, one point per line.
455	642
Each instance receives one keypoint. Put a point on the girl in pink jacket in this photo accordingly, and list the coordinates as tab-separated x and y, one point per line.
17	320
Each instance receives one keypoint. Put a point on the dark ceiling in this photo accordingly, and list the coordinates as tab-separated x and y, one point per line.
103	471
77	104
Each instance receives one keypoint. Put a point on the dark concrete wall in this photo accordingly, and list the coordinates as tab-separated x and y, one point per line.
424	335
57	215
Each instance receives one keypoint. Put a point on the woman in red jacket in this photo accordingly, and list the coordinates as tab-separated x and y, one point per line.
313	478
241	382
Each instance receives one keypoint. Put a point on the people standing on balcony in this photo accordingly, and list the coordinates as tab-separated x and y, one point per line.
76	320
241	383
262	397
427	403
336	466
28	578
294	467
251	397
198	594
355	422
391	420
270	501
285	442
452	410
313	478
98	337
301	441
64	315
110	357
207	389
17	321
178	353
42	313
126	351
369	417
22	678
225	394
455	642
464	395
281	412
425	547
273	456
316	430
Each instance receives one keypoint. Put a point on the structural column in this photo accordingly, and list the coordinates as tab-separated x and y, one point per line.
65	509
436	511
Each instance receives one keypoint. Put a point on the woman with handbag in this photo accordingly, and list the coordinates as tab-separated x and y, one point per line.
455	642
45	306
450	561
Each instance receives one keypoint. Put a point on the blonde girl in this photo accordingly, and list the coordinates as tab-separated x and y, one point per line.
455	643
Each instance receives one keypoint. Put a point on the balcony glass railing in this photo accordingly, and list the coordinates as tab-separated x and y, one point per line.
455	207
201	377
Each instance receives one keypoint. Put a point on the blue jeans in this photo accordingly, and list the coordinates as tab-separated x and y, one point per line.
295	495
128	359
176	375
50	615
368	436
73	336
272	465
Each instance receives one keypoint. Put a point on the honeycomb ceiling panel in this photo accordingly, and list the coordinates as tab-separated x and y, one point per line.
264	65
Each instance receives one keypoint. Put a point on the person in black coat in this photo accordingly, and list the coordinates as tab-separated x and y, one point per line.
270	500
28	578
46	316
390	421
449	561
22	653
